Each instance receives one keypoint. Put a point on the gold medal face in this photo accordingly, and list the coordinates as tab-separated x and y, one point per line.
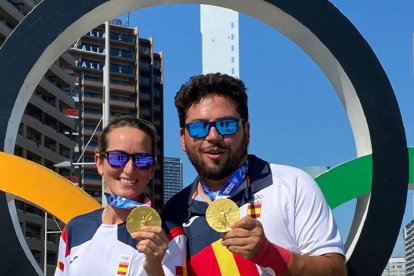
142	216
221	213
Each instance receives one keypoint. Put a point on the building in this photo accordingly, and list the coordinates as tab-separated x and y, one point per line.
42	135
220	40
66	106
136	89
173	177
409	247
395	267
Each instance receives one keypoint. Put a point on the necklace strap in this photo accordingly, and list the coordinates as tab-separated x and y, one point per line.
124	203
231	184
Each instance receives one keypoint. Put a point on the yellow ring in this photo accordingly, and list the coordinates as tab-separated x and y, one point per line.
43	187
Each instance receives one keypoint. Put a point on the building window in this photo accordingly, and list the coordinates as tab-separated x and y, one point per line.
51	258
51	237
37	255
33	231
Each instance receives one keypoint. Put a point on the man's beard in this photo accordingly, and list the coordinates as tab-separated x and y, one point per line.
218	171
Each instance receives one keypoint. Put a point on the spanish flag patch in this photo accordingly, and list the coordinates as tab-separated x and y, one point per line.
124	263
254	210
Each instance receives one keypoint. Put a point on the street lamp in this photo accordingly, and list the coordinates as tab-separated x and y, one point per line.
105	122
69	164
63	164
45	243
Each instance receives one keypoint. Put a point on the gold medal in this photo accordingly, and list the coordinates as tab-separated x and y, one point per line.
221	213
142	216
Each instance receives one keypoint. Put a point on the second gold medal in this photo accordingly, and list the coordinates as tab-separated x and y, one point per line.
221	213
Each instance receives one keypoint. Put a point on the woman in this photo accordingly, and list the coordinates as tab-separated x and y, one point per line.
98	243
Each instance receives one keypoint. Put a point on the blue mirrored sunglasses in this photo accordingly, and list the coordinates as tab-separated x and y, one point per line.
118	159
224	127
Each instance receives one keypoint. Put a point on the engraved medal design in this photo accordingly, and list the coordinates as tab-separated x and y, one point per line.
221	213
142	216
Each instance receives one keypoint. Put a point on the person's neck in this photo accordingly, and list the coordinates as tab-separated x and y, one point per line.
113	215
213	185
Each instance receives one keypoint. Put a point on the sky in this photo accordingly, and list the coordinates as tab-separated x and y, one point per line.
296	117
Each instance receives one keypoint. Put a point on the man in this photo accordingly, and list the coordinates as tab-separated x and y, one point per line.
285	225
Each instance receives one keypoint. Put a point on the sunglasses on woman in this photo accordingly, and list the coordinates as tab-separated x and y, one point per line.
118	159
200	129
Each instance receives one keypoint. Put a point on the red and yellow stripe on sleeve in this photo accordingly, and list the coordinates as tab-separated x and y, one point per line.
60	266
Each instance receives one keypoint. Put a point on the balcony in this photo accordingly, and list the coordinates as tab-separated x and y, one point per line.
125	39
124	87
144	112
47	130
61	74
37	148
91	148
92	181
56	91
13	13
115	53
5	29
68	58
122	70
90	82
157	108
145	50
144	97
91	116
91	98
52	111
121	102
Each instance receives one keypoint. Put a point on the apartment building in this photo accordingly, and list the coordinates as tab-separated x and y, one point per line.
66	107
173	177
136	89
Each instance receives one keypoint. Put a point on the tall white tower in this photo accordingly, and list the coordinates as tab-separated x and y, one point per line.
220	40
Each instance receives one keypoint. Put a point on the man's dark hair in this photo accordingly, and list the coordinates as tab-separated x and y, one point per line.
200	86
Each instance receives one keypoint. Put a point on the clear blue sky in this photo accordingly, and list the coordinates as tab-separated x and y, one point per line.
296	116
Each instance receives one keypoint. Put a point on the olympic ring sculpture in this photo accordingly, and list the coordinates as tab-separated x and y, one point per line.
316	26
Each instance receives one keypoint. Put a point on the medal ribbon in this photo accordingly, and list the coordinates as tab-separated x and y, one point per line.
124	203
231	185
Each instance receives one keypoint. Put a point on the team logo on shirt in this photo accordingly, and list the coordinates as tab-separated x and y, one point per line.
124	263
254	208
190	221
73	259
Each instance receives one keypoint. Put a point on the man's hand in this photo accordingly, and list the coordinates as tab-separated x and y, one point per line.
152	242
245	237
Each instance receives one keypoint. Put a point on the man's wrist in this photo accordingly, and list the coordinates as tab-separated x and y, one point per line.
273	256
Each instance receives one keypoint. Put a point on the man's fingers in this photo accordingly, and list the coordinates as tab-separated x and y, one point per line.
246	222
236	242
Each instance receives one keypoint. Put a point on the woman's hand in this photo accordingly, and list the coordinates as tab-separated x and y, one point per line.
152	242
